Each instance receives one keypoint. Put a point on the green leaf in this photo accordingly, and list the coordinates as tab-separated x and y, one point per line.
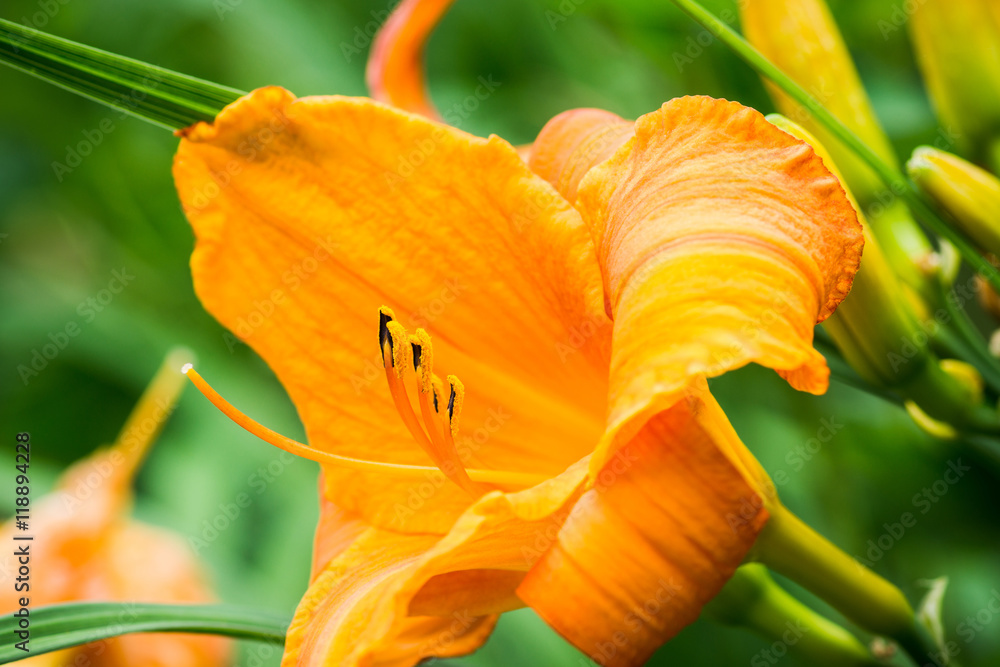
897	182
155	94
56	627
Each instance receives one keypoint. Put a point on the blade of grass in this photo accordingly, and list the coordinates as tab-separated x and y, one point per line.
56	627
163	97
895	180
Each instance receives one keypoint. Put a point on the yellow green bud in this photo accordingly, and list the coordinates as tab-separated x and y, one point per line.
958	48
879	333
802	39
970	194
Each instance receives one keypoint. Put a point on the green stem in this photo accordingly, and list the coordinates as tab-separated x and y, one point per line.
788	546
896	181
975	344
751	599
157	95
57	627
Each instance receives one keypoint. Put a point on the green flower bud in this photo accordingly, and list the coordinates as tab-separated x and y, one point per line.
958	48
970	194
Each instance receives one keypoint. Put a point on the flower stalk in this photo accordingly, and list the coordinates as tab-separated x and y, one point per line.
751	599
790	547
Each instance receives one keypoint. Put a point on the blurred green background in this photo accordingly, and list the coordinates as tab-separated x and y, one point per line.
63	235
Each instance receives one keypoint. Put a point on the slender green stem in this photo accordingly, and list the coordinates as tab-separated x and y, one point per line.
56	627
751	599
898	182
789	546
974	343
162	97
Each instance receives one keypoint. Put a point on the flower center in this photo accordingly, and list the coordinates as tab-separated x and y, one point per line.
435	432
441	423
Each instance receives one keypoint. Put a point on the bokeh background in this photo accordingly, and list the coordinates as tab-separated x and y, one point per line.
62	235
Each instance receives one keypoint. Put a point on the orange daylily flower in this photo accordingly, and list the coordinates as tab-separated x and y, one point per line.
90	550
582	295
582	335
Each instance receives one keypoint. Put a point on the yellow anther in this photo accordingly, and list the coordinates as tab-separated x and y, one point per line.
440	399
399	348
456	400
424	366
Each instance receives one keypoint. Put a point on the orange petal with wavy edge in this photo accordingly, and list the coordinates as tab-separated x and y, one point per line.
306	224
666	525
395	72
722	241
394	599
573	142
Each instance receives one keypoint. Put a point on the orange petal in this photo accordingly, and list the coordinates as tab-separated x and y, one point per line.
395	72
666	525
335	532
722	241
573	142
393	599
310	214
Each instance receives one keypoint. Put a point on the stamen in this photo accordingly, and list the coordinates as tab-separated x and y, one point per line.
455	402
445	453
500	478
417	349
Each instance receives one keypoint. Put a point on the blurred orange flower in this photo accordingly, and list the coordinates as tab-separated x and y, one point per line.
87	549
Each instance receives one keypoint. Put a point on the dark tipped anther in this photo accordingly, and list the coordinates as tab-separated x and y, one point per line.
383	331
435	397
451	403
416	355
